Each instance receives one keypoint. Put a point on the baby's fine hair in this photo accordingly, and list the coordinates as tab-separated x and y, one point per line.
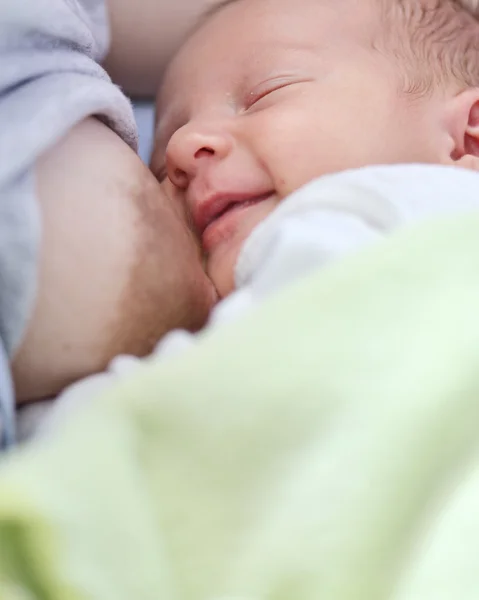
434	42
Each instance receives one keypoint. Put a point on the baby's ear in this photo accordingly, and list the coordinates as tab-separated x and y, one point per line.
471	137
463	124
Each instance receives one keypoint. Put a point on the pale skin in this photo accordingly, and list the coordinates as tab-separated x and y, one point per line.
118	267
270	94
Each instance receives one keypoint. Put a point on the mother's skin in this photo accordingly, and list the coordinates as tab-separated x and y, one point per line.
118	266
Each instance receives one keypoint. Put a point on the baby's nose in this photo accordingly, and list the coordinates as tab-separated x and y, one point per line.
191	148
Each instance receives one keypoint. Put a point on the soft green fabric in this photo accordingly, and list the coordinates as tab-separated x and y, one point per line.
326	447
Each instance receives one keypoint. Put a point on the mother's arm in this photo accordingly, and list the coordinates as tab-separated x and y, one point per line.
144	35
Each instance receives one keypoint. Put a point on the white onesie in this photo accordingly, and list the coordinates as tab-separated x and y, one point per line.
322	222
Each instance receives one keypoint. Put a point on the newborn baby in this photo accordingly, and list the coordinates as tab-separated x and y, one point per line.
284	106
268	95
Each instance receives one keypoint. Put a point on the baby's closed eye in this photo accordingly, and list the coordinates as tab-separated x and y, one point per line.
254	98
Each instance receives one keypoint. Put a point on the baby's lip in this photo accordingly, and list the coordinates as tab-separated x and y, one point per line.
207	210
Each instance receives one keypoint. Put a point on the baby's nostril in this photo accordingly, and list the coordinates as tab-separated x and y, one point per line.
180	178
202	151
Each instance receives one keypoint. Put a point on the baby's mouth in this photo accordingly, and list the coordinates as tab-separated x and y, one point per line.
226	218
236	205
218	206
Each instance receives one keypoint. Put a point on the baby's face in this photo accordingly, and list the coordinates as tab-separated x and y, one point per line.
265	97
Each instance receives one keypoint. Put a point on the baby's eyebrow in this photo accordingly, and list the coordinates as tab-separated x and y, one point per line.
286	58
286	53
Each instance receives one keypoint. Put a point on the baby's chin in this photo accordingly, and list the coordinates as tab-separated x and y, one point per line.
221	267
223	257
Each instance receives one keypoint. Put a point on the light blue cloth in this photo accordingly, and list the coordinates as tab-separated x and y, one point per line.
7	411
50	80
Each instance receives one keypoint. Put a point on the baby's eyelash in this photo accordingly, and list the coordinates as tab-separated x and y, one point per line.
254	97
269	87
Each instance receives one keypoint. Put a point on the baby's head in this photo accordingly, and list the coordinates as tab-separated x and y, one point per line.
267	95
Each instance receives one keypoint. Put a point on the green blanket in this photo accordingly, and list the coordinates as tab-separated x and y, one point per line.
324	447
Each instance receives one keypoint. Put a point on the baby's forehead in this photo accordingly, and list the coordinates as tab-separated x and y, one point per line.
239	34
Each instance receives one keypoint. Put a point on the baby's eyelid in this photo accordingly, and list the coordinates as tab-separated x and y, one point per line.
266	88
